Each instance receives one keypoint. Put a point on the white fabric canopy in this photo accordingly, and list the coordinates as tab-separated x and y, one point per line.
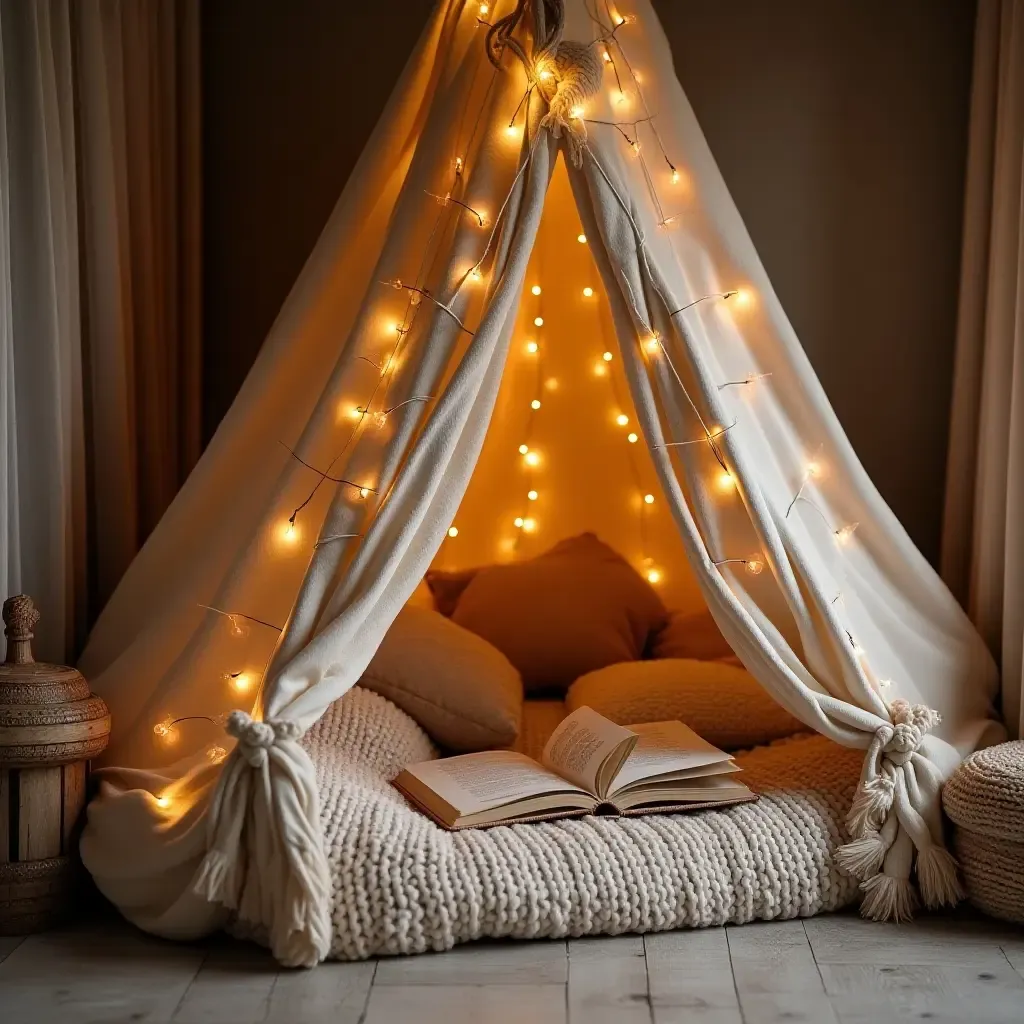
809	575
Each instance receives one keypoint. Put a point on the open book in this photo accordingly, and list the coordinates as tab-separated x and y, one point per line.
590	765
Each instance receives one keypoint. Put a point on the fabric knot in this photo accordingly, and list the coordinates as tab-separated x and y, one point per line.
255	738
566	76
909	724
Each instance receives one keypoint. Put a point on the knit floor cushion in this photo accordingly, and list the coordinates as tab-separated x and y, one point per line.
985	800
404	885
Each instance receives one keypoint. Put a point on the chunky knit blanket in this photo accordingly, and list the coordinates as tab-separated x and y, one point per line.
404	885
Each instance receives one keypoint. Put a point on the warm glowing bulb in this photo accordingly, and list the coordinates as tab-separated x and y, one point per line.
653	575
754	566
532	495
216	754
239	626
588	292
364	492
524	449
538	321
581	238
511	130
551	384
632	438
744	297
240	681
653	343
622	419
532	459
166	730
355	412
289	532
600	370
529	525
535	289
519	522
577	113
606	356
458	165
845	533
675	176
648	499
531	347
606	56
636	148
163	802
453	531
618	96
813	470
725	481
545	75
619	20
475	275
535	404
483	10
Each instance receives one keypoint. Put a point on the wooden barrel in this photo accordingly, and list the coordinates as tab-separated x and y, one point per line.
50	726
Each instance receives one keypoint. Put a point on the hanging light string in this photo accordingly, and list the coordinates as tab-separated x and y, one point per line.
238	615
525	523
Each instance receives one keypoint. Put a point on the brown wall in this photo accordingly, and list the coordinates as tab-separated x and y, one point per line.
839	126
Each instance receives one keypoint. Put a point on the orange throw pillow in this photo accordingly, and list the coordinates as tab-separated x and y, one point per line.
691	635
576	608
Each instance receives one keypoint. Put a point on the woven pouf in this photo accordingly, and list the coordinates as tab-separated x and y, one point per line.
985	800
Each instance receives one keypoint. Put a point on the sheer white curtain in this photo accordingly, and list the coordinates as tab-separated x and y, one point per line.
983	542
99	318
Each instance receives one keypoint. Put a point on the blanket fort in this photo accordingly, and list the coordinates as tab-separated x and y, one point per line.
339	472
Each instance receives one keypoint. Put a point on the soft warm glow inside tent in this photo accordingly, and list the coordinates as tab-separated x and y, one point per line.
565	407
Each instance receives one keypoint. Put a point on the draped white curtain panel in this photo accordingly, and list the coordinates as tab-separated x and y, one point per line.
405	309
983	530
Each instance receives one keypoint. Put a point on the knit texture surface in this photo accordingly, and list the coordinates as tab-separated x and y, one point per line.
404	885
985	799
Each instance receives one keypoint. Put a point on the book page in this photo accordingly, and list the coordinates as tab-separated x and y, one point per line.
587	748
665	747
485	780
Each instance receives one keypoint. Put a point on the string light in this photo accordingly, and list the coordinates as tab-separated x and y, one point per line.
239	626
529	525
648	499
632	438
813	470
163	802
675	176
622	419
519	522
216	754
588	292
531	495
606	356
475	275
845	533
289	531
364	492
166	730
606	56
531	347
453	531
240	681
653	343
524	449
458	166
538	321
535	289
751	378
600	370
754	566
581	238
577	113
532	459
654	576
725	481
535	404
483	10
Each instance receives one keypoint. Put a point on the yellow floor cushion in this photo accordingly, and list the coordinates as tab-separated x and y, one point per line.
720	702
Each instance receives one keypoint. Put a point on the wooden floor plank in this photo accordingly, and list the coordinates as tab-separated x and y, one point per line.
480	963
775	974
8	944
332	993
690	978
928	940
608	981
82	975
234	983
866	994
466	1004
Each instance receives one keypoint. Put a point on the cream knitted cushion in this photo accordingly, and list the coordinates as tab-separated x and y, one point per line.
724	704
985	800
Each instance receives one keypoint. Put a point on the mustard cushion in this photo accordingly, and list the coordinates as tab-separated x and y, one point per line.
576	608
690	635
459	688
724	704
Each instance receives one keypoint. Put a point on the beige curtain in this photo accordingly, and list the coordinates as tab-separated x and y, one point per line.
99	270
983	542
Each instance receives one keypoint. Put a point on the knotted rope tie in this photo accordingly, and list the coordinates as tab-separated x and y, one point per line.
255	738
570	74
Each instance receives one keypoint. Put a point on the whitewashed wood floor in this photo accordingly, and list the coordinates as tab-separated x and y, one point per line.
834	969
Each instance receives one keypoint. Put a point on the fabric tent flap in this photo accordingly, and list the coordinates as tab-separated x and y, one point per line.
380	379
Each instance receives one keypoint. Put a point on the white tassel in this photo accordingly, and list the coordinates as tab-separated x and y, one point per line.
863	857
887	898
871	803
937	876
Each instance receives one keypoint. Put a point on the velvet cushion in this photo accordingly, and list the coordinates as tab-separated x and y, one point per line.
458	687
724	704
576	608
691	635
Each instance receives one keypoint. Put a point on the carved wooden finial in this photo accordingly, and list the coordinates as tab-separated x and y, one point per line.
20	615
